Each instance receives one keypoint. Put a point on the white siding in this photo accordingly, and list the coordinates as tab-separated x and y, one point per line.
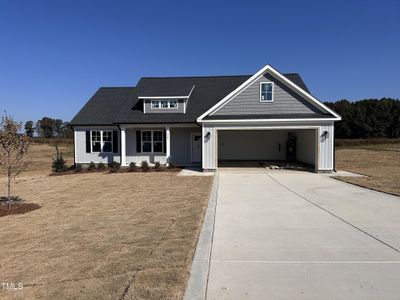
326	148
209	156
81	157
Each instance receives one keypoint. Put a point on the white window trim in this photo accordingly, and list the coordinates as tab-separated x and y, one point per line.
273	86
101	142
152	141
169	104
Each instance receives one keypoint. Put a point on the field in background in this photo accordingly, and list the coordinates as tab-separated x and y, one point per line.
378	159
40	157
100	236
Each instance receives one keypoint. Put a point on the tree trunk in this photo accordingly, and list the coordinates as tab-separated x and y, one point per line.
9	190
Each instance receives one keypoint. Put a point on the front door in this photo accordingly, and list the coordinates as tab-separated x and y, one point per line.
196	147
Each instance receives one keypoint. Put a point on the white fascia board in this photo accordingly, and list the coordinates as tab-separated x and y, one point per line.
187	100
278	75
162	97
269	120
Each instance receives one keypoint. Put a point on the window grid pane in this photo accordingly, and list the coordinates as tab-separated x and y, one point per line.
96	136
107	136
157	136
146	136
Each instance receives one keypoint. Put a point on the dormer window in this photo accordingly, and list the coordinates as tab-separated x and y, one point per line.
266	92
164	104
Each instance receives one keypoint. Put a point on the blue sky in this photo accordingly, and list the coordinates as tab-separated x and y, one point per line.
55	54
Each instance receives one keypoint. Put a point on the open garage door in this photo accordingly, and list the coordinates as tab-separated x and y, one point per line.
246	147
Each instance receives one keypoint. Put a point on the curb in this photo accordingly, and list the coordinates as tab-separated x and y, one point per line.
197	284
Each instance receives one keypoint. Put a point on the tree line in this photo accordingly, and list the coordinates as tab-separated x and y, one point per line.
48	128
369	118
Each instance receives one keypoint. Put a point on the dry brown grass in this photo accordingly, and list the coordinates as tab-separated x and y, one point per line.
102	236
381	163
40	157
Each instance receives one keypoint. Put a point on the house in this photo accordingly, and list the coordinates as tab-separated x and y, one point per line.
207	121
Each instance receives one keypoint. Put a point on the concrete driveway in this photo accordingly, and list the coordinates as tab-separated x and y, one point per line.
296	235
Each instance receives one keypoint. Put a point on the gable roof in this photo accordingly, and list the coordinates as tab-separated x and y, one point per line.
122	105
281	77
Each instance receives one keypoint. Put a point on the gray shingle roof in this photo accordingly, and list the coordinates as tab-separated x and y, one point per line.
163	86
121	105
104	106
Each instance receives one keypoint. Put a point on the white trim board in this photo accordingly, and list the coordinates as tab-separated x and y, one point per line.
162	97
280	77
267	120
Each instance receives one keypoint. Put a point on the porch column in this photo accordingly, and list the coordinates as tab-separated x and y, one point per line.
168	144
123	146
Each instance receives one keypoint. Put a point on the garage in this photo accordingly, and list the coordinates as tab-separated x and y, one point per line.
254	147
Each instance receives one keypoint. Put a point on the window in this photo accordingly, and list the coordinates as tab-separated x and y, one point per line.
155	104
266	91
101	141
107	141
173	104
152	141
157	141
146	141
96	141
164	104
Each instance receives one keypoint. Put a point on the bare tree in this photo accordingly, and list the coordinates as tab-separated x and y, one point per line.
13	148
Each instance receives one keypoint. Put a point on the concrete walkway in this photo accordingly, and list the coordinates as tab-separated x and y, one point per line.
297	235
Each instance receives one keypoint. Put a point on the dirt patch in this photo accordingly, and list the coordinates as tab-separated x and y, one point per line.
17	208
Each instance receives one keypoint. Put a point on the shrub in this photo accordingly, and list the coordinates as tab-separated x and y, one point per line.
91	166
157	166
59	163
78	168
145	166
132	167
114	166
101	166
170	166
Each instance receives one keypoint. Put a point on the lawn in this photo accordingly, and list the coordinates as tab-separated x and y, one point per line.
380	162
101	236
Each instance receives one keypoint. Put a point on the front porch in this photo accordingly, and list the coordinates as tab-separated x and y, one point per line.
174	144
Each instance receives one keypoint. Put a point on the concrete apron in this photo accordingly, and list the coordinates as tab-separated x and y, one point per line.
296	235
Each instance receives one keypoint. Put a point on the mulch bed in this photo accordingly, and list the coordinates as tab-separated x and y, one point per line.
109	171
17	208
